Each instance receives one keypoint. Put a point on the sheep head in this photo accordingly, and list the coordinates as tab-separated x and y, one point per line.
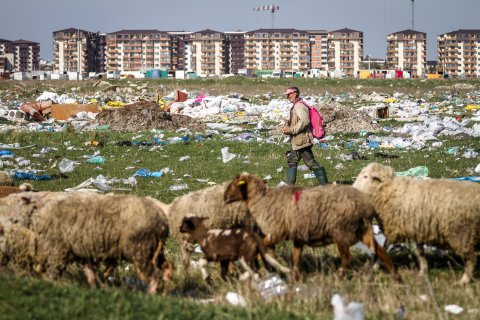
191	223
372	176
244	187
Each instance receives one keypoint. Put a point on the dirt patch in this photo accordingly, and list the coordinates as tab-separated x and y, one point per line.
142	116
338	119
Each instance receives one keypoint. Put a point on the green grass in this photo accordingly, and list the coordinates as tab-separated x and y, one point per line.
27	297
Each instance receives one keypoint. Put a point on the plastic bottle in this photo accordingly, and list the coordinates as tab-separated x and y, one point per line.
272	286
66	165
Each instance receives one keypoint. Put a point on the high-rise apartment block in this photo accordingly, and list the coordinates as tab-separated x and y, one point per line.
134	50
77	50
459	53
26	55
277	49
180	49
236	51
407	51
209	52
319	49
345	51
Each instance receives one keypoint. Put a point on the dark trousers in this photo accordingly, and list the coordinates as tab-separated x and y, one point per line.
294	157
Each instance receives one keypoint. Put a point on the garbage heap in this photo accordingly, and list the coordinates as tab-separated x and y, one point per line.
142	116
341	119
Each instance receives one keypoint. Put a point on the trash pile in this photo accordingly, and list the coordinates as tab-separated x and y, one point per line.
145	116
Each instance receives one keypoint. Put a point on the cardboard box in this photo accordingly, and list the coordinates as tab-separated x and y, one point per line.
65	111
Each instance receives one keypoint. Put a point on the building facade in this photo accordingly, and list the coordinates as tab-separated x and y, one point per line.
6	55
180	50
26	55
235	51
345	51
318	49
76	50
407	51
277	49
459	53
138	50
209	53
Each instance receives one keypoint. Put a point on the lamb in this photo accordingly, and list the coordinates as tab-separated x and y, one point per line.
207	202
91	228
228	245
314	216
438	212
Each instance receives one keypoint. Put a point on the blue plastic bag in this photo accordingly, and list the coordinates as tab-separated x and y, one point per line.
148	174
31	176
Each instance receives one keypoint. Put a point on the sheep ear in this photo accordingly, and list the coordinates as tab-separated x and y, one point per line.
376	177
187	224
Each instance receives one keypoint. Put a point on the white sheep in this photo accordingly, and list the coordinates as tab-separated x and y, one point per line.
438	212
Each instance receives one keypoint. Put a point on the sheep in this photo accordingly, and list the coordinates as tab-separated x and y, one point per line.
7	190
314	216
227	245
91	228
207	202
439	212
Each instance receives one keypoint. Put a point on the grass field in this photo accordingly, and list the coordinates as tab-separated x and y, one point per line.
26	297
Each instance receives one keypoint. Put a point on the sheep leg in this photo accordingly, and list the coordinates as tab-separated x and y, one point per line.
296	257
167	269
247	267
421	259
203	268
187	250
345	257
469	269
381	253
90	275
224	269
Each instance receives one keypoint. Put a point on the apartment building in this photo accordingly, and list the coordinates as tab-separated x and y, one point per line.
26	55
345	51
180	50
77	50
235	51
318	49
6	55
138	50
208	53
277	49
459	53
407	51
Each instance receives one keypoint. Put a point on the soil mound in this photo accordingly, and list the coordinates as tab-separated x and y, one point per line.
143	116
338	119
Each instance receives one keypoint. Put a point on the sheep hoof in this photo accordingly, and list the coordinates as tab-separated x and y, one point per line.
465	280
244	277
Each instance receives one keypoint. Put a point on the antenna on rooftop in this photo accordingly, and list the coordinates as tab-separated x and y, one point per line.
413	14
271	8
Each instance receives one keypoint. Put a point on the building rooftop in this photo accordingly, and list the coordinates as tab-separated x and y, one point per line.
146	31
21	41
346	30
275	31
408	31
70	30
464	31
208	31
5	40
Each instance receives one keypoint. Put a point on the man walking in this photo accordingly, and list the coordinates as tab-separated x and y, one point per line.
299	129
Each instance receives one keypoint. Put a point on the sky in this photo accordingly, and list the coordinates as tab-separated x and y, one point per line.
36	20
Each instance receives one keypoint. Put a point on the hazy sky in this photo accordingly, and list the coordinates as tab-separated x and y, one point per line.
35	20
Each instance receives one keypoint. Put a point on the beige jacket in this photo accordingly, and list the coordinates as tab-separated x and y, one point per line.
299	127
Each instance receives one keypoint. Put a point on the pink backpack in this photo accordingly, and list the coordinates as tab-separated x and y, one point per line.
316	121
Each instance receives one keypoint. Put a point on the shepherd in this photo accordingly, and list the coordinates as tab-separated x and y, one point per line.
300	131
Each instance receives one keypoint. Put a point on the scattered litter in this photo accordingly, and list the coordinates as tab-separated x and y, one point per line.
308	176
178	187
272	286
419	172
147	173
472	179
30	175
453	309
67	165
96	159
227	156
236	299
353	311
184	158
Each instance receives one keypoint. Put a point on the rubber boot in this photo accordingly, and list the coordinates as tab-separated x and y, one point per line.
321	175
291	176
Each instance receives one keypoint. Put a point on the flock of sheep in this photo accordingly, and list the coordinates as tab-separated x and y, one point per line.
44	232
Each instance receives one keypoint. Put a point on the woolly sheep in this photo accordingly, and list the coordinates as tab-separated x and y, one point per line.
6	190
439	212
208	203
314	216
90	228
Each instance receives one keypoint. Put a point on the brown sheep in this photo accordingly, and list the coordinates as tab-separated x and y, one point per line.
439	212
228	245
207	202
314	216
